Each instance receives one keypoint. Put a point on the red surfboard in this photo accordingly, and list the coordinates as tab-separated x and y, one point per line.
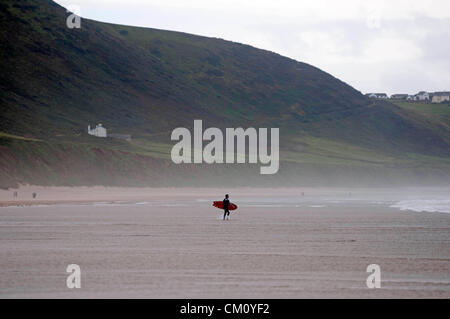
219	204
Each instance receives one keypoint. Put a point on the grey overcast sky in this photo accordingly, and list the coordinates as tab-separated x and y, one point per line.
391	46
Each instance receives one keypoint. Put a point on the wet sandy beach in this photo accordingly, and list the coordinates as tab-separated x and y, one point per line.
175	245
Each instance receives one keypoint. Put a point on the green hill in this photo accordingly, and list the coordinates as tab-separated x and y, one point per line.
146	82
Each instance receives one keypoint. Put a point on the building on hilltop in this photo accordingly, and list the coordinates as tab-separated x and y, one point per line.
422	96
399	96
439	97
377	95
98	131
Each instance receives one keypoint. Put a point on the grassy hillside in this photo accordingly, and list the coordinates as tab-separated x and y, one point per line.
434	114
131	78
146	82
31	161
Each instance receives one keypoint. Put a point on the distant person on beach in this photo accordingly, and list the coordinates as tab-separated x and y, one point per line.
15	194
226	204
34	195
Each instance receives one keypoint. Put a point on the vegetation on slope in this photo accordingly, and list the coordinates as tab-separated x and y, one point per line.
146	82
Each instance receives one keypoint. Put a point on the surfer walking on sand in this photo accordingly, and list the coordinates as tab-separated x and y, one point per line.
226	204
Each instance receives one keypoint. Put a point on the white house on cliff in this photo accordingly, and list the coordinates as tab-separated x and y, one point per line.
439	97
98	131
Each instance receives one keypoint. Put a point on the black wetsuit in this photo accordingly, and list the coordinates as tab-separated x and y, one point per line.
226	203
